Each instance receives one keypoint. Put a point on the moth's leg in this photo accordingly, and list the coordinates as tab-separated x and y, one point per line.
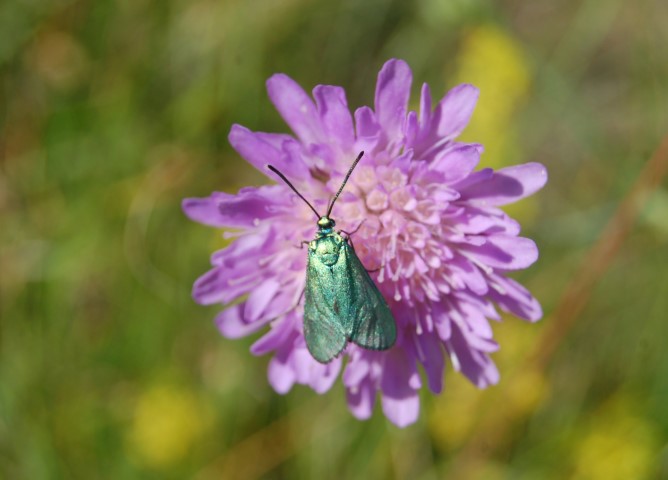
354	231
374	270
301	295
350	234
301	245
350	240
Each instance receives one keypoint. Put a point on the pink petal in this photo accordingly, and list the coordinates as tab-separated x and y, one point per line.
473	178
296	108
476	320
361	399
469	274
320	377
456	163
488	220
232	324
245	209
432	360
323	383
475	365
400	401
462	320
336	119
402	411
367	129
425	107
260	297
205	210
516	299
215	286
505	252
481	303
247	249
356	370
507	185
411	129
393	90
236	268
280	334
280	373
443	324
454	112
261	149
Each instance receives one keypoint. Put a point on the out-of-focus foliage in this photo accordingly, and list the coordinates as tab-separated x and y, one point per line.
112	111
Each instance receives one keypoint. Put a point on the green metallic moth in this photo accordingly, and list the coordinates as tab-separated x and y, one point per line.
341	302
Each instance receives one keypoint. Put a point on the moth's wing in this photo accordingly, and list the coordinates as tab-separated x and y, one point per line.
324	333
373	326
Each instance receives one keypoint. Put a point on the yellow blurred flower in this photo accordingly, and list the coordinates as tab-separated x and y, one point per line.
620	444
167	422
492	60
485	470
526	391
454	415
517	339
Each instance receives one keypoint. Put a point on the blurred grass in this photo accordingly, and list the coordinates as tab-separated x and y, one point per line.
112	111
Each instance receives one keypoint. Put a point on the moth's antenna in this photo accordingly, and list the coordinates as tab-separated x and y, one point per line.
331	205
273	169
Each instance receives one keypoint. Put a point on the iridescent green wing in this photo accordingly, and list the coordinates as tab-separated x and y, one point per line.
373	325
323	330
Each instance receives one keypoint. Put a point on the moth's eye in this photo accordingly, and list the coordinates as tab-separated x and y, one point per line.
325	222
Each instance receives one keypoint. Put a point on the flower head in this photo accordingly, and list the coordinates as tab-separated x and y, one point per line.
429	225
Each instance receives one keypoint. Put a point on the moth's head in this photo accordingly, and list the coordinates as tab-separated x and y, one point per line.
326	223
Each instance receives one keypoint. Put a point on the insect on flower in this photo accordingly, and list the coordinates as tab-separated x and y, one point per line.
341	302
433	225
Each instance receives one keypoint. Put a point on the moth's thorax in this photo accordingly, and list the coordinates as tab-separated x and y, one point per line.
327	246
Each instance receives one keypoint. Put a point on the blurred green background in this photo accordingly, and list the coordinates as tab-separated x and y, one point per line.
112	111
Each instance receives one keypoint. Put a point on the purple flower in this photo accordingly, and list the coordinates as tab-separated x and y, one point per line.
428	222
